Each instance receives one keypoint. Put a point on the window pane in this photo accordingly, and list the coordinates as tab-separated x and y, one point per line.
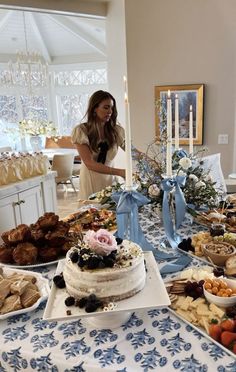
82	77
73	110
34	107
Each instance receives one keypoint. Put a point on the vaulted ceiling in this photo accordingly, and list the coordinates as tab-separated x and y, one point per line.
60	39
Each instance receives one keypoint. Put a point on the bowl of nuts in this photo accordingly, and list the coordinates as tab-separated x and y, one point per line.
218	252
220	291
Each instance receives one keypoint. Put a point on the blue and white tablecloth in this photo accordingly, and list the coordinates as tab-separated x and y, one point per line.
151	340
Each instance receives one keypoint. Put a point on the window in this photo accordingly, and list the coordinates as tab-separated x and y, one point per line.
64	102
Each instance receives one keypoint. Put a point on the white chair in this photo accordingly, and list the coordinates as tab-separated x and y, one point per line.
5	149
63	165
213	164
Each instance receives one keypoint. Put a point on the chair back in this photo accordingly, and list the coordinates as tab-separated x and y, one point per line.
62	142
63	165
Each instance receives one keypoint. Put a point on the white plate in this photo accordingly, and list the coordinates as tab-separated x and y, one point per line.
153	295
33	265
42	284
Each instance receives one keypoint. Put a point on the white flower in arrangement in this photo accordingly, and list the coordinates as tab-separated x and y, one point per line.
193	177
153	190
200	184
181	173
37	127
209	178
185	163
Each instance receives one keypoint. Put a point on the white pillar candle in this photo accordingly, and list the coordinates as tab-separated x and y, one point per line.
128	155
191	130
176	122
169	137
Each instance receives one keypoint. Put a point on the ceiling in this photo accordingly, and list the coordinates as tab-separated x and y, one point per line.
60	39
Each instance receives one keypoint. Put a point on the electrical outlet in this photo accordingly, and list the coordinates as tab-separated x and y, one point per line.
223	139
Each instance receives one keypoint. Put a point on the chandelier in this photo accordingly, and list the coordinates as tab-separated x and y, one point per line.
30	69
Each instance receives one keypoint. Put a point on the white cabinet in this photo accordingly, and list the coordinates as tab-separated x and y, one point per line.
26	201
49	195
9	213
30	205
23	207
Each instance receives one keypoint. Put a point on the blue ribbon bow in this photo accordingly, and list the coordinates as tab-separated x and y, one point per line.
127	217
168	185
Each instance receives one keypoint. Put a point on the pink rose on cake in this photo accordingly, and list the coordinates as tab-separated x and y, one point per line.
101	242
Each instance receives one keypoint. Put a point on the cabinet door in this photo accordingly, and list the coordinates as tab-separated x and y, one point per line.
9	213
30	205
49	195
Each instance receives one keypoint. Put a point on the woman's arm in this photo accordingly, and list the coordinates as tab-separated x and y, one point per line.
92	165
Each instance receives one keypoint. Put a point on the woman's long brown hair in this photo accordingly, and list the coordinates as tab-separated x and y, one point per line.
110	130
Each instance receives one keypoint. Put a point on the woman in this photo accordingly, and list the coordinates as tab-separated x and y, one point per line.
97	142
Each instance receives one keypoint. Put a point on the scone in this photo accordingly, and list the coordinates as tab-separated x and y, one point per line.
25	254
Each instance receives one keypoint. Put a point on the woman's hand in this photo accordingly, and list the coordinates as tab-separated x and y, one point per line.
121	173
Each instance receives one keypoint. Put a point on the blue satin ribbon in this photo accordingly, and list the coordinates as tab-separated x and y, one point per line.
127	217
168	185
181	153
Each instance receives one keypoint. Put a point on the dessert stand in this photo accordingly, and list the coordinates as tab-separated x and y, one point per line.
153	295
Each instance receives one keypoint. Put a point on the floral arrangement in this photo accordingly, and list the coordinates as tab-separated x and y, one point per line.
104	196
199	189
36	127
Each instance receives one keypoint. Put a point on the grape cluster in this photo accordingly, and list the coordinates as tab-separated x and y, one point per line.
231	312
186	245
218	271
194	289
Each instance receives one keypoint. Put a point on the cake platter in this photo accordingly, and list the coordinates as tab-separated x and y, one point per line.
145	299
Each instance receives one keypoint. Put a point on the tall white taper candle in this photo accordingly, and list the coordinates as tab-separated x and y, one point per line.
191	129
176	122
128	155
169	137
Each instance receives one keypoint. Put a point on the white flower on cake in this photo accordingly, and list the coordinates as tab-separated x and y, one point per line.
185	162
101	242
153	190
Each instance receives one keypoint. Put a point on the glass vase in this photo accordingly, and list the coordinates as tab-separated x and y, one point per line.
36	143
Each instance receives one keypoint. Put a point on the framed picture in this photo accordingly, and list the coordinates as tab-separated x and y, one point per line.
187	95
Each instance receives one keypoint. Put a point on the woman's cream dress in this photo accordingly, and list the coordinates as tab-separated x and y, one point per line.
90	181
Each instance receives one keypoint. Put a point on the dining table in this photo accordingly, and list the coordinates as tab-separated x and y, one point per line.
154	339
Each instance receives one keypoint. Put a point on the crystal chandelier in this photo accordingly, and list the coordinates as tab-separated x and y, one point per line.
30	69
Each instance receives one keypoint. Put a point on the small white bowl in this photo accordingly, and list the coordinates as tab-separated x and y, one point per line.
222	301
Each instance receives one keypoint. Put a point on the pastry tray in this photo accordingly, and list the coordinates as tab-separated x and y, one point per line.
42	284
153	295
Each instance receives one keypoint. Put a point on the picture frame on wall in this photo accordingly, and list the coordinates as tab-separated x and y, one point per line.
188	95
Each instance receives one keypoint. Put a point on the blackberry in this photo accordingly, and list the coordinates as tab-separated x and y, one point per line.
92	298
57	278
61	284
81	262
109	262
91	307
101	265
82	302
84	251
74	256
119	240
59	281
112	255
69	301
93	263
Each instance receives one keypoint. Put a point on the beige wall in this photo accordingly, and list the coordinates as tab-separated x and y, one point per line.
183	42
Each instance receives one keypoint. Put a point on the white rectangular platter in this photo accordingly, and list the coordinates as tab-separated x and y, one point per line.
153	295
